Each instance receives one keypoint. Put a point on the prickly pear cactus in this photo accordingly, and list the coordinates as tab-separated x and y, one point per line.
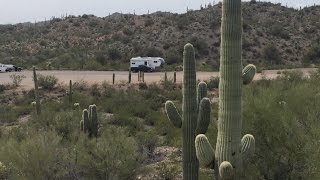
196	113
231	151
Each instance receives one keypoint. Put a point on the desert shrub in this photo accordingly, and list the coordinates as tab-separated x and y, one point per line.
272	54
109	158
47	81
213	83
290	106
38	156
172	57
312	55
114	53
94	90
152	52
2	88
201	46
279	31
17	79
148	22
80	85
143	85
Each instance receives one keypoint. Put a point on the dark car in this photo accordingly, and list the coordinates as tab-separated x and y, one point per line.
142	68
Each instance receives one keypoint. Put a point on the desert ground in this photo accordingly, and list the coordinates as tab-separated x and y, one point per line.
122	76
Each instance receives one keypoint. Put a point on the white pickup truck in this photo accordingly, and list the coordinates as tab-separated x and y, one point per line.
3	68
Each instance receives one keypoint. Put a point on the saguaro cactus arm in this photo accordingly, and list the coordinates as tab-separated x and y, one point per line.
85	118
203	116
247	147
226	170
202	91
173	114
204	151
248	73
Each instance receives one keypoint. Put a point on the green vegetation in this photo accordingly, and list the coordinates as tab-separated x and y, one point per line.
131	121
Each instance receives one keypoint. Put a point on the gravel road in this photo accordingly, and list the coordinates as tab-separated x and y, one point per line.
122	76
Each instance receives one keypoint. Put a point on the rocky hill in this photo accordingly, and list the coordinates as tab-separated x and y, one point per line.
274	36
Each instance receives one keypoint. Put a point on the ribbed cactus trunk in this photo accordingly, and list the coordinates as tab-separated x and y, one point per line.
196	113
230	88
189	116
36	92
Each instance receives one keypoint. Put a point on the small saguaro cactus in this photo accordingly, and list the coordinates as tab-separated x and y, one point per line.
174	77
129	76
231	152
113	78
89	122
70	92
196	113
36	92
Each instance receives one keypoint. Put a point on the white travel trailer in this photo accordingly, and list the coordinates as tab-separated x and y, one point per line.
146	63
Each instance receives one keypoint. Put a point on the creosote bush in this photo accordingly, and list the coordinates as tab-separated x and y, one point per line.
47	81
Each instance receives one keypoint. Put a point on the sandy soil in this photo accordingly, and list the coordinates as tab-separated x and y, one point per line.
122	76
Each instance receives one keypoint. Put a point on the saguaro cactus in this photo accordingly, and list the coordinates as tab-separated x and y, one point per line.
113	78
89	122
70	92
129	76
196	113
36	93
231	152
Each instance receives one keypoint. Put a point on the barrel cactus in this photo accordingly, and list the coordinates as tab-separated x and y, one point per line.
196	113
89	122
231	152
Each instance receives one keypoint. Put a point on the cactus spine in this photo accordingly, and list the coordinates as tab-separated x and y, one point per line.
89	122
196	114
231	151
36	92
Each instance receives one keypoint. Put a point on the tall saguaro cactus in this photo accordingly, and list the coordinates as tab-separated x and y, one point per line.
231	151
196	113
36	92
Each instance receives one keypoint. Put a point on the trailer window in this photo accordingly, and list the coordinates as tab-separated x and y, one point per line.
155	61
133	63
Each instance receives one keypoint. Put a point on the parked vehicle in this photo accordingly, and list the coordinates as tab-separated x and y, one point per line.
146	64
3	68
12	67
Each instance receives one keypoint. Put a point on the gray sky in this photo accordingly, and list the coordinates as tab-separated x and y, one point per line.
15	11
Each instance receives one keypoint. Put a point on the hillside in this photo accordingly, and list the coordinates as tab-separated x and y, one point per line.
273	36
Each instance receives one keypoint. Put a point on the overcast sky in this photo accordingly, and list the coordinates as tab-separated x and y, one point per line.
15	11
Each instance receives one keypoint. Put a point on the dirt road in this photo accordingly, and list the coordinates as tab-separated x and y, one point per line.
122	76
